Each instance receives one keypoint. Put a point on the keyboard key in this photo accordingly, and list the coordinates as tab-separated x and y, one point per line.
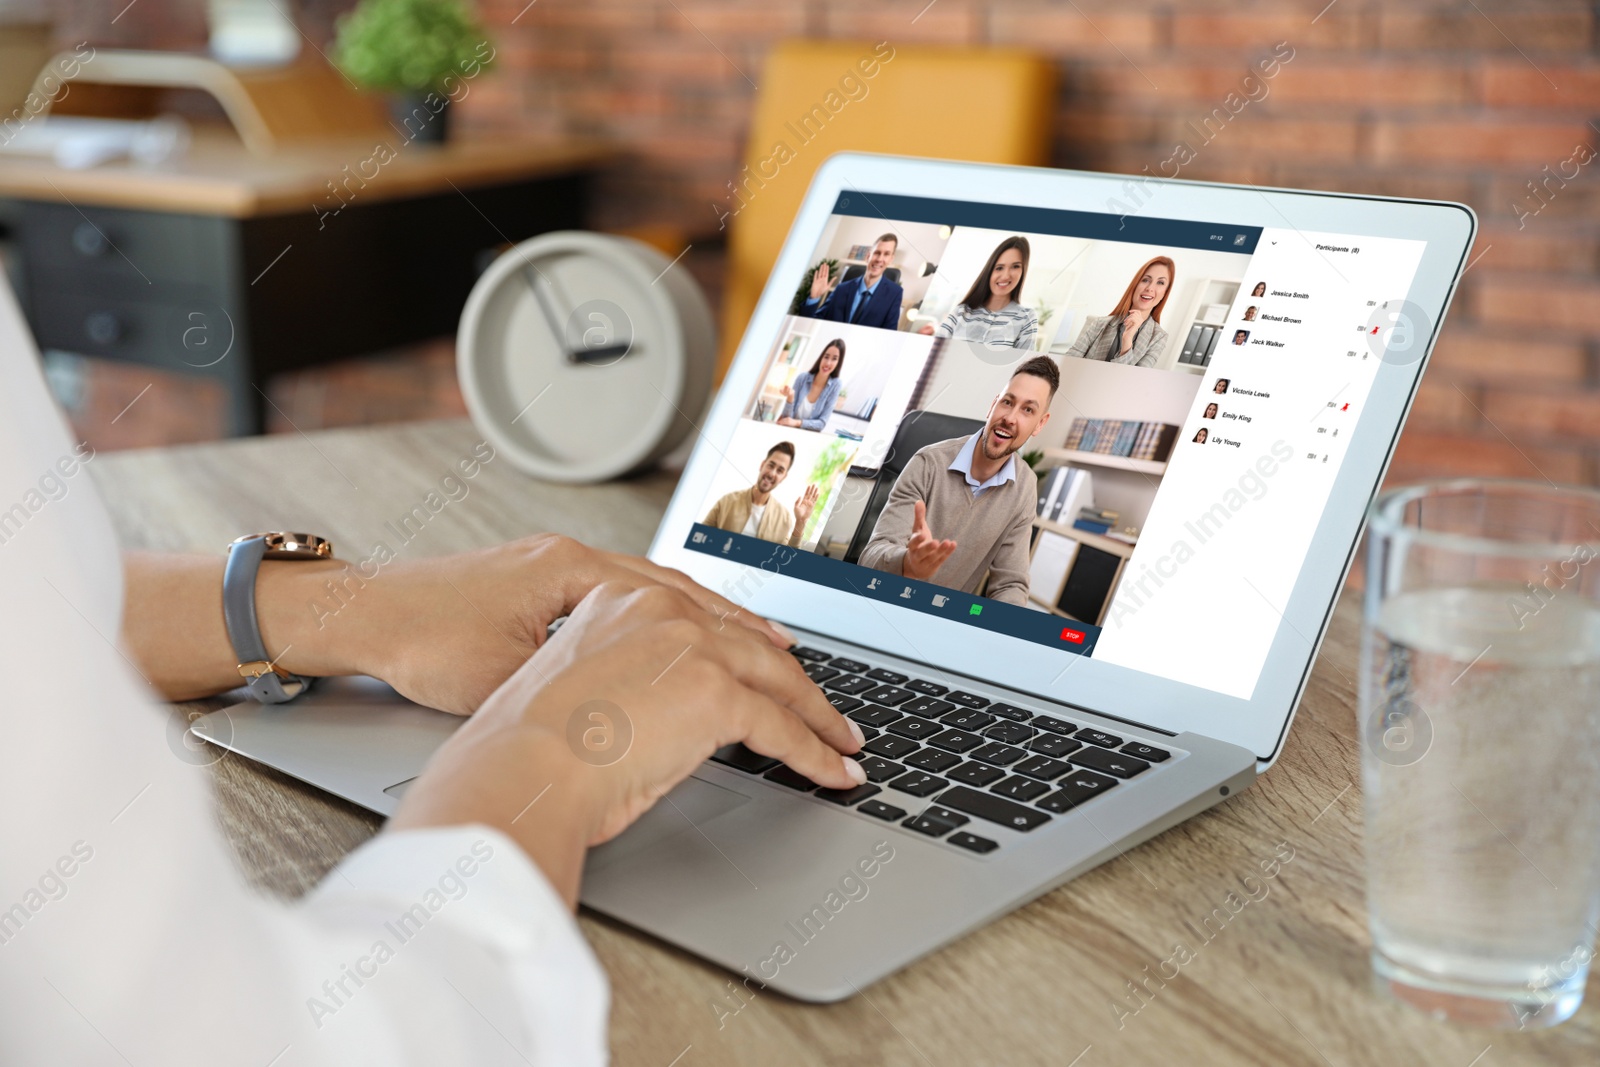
968	719
791	778
1042	767
914	728
927	689
943	814
879	810
1095	737
999	755
971	842
956	741
742	759
879	769
850	684
932	760
851	665
1020	788
843	704
967	700
868	733
927	707
815	655
1116	763
978	774
873	715
1145	752
918	784
892	677
820	673
891	747
890	695
994	809
931	825
1009	732
1055	726
1075	789
847	797
1054	745
1010	711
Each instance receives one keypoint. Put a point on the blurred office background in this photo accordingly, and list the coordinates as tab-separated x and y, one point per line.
1491	102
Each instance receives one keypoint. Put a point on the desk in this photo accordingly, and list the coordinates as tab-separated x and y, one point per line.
238	267
1284	982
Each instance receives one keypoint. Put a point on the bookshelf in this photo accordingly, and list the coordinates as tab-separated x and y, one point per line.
1120	549
1102	459
1093	540
1211	293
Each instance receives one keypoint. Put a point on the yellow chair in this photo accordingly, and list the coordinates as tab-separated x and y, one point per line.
988	105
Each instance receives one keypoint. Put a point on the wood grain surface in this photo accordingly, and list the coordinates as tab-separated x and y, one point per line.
1286	980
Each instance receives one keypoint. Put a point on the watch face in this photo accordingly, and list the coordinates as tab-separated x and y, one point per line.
281	545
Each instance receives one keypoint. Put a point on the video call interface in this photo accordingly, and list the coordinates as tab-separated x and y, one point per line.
1071	428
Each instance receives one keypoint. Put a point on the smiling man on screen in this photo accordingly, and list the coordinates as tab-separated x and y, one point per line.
964	508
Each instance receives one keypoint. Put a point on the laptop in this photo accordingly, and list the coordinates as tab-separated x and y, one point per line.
1233	375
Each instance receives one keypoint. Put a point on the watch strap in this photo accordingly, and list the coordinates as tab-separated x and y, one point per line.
267	683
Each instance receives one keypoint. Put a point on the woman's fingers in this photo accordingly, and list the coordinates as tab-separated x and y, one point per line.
773	730
778	677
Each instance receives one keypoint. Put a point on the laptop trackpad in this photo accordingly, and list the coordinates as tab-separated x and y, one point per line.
691	803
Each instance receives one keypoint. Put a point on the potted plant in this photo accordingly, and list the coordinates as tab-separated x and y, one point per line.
421	52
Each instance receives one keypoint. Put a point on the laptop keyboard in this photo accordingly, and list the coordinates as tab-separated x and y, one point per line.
976	761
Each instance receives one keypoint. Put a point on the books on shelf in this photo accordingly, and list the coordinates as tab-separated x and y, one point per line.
1122	437
1095	520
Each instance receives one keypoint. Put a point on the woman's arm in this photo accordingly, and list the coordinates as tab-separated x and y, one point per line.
444	631
1154	344
1086	336
1030	330
824	408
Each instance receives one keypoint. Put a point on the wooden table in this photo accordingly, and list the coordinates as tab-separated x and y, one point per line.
1286	981
236	266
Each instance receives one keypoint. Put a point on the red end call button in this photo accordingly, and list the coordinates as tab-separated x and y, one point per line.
1075	636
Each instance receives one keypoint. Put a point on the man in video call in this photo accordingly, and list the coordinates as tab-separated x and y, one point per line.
964	508
754	513
868	300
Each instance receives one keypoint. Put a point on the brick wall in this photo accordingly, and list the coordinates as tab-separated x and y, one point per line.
1468	101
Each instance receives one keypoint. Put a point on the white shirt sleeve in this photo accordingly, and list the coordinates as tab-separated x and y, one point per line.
127	934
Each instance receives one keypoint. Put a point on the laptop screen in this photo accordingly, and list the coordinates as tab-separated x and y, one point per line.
1110	434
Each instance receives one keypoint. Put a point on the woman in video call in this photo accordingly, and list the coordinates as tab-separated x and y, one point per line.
1132	333
992	312
1259	290
810	399
1200	438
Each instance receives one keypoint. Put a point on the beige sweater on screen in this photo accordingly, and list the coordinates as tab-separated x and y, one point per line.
991	532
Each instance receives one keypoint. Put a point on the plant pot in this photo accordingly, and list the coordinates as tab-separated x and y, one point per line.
421	117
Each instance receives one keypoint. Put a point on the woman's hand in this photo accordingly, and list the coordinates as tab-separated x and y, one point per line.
666	682
1130	326
926	329
787	391
447	631
787	421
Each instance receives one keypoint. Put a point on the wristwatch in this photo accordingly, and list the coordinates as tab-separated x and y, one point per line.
266	681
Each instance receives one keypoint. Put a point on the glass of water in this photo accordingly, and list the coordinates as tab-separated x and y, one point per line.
1480	721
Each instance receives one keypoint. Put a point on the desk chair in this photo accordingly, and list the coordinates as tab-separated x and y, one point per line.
988	105
917	430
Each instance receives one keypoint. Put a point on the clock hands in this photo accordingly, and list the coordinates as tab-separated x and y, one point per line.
595	346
